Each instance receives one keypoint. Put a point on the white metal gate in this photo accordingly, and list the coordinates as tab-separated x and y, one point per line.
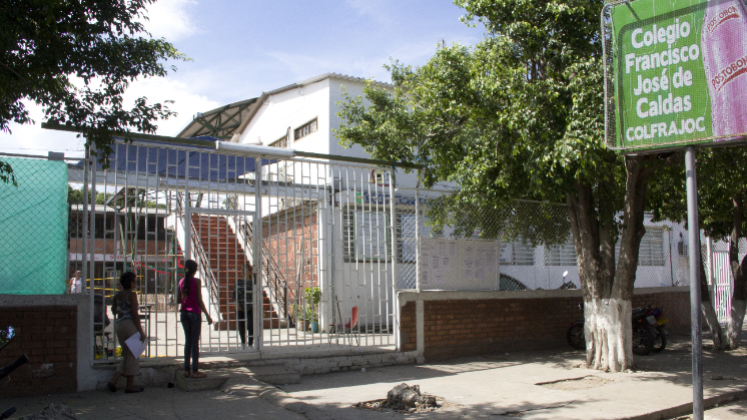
313	238
720	277
722	284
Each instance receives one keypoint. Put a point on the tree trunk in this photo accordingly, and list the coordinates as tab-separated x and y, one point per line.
608	330
739	273
608	290
706	306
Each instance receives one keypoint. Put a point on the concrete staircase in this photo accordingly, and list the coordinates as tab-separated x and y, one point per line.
226	264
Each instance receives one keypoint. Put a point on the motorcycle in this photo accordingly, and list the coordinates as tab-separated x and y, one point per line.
656	319
6	336
646	338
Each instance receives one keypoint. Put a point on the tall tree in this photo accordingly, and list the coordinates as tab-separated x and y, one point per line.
521	115
722	191
76	58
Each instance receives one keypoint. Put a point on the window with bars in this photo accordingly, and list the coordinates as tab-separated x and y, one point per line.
365	236
305	129
282	142
561	255
651	252
517	252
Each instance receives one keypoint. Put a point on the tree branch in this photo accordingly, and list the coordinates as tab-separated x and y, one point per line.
14	72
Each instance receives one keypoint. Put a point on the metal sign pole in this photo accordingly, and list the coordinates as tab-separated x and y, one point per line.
694	257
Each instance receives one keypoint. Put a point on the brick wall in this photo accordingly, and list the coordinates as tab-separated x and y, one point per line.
407	329
457	328
47	335
676	308
288	235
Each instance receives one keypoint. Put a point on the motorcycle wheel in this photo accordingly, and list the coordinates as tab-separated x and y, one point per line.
575	336
643	339
660	342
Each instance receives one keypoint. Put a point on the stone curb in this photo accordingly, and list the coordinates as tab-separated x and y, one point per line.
685	409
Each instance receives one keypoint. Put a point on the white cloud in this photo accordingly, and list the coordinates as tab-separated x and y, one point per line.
32	139
374	9
170	19
186	105
360	63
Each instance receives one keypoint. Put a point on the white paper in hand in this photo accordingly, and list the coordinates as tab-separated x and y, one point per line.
136	346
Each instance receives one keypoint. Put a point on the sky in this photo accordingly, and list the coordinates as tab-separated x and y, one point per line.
239	49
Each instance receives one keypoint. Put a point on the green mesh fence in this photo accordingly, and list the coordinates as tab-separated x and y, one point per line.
33	228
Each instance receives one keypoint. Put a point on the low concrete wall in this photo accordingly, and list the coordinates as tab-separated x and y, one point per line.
162	370
52	330
442	325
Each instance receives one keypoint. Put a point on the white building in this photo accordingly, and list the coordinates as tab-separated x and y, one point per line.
303	116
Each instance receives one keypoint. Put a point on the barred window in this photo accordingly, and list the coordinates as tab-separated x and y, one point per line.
517	252
652	247
305	129
561	255
365	236
651	252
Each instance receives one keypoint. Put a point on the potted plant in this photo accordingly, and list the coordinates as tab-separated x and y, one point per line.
312	296
307	315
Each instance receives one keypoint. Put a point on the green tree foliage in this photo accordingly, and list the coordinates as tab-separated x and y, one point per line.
722	214
76	59
75	196
521	116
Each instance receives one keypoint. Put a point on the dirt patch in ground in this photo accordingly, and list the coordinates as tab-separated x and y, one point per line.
378	405
576	384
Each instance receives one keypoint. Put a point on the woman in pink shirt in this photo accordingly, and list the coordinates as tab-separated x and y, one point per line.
189	295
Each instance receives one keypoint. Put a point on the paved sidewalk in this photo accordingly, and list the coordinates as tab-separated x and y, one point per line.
502	386
507	386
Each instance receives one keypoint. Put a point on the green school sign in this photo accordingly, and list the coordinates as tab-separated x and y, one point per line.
679	73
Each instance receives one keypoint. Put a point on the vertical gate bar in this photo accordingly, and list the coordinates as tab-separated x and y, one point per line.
292	250
368	245
375	264
394	297
417	235
257	254
379	205
298	247
84	233
92	243
320	186
305	174
143	210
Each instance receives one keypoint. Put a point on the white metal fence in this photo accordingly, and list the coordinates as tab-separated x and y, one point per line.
319	248
307	242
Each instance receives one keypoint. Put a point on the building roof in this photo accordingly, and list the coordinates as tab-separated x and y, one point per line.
229	121
220	122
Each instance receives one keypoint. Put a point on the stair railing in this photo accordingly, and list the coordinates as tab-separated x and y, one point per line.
271	274
200	257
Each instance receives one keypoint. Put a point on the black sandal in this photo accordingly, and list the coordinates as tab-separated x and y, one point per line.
111	386
127	391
